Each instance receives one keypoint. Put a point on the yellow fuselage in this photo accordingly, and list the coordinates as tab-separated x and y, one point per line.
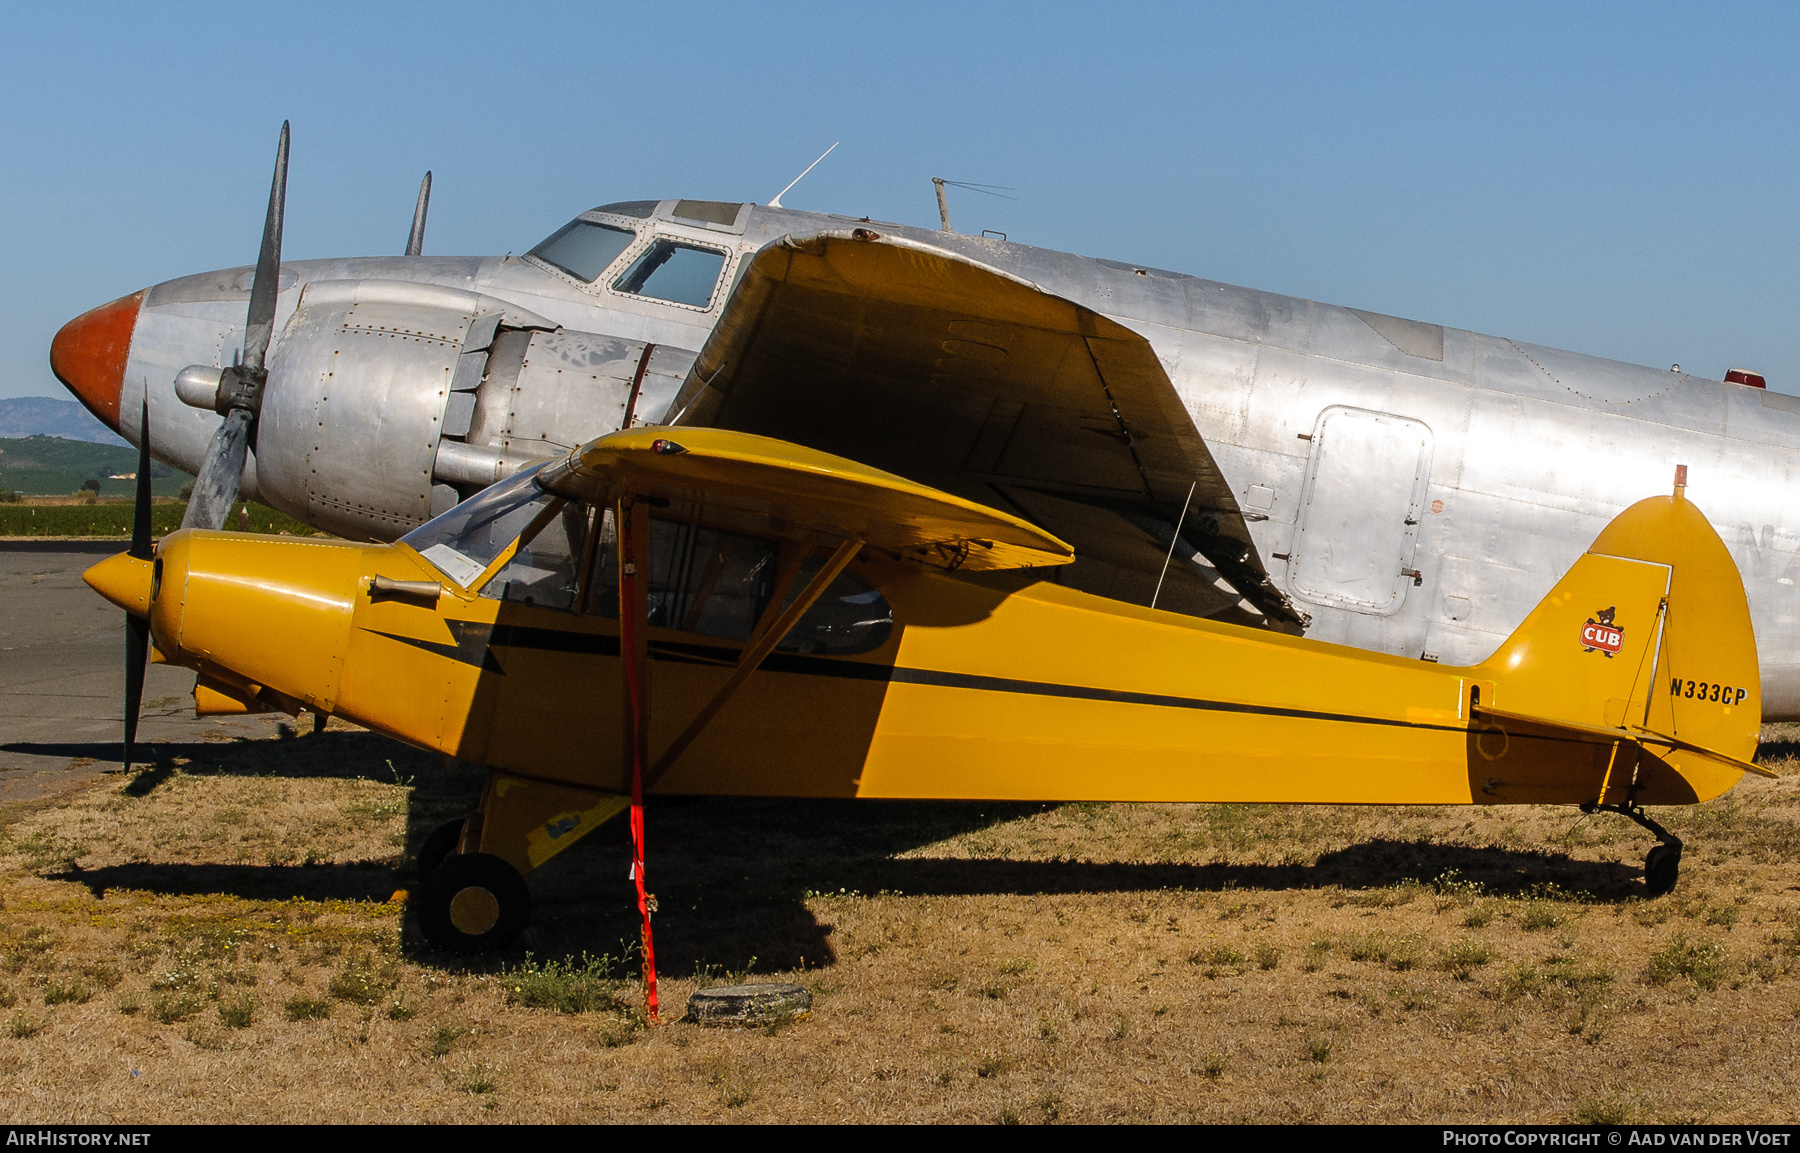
996	688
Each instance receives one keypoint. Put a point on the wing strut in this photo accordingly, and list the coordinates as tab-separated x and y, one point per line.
759	649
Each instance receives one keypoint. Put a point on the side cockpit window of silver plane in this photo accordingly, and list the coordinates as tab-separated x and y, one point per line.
583	248
676	272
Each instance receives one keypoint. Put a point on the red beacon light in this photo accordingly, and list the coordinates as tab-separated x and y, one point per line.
1745	376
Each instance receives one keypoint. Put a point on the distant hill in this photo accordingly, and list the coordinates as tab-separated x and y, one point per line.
54	466
22	416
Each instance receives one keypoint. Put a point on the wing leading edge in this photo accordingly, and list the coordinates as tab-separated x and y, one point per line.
924	363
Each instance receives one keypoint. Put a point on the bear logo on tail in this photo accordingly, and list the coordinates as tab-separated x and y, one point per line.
1600	634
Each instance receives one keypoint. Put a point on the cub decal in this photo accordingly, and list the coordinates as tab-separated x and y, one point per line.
1599	633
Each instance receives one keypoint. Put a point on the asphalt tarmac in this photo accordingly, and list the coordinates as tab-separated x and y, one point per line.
62	678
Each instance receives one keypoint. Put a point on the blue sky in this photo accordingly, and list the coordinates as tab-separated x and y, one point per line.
1617	179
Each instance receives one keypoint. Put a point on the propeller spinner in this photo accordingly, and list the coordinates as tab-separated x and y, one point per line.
239	397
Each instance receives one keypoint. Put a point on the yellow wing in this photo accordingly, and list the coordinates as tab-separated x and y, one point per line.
764	487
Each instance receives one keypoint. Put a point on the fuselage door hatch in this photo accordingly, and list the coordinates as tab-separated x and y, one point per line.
1360	509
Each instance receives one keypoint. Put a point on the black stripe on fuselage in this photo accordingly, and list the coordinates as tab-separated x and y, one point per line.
474	638
1160	700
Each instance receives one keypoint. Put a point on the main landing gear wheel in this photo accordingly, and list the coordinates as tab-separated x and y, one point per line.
1661	867
473	903
439	843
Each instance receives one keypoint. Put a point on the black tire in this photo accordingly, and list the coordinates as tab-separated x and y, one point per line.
473	903
1661	868
438	844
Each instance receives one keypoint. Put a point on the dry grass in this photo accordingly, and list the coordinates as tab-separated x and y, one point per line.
215	940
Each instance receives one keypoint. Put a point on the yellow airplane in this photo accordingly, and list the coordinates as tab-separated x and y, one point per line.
700	611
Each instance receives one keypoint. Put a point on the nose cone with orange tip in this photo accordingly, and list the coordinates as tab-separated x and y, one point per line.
88	355
125	581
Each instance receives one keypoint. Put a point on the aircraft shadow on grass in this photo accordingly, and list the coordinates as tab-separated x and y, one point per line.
733	877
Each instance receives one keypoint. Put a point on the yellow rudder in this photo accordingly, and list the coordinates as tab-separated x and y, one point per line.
1709	689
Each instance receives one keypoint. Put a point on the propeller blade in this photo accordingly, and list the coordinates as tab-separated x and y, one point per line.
267	284
415	242
217	485
137	630
241	385
140	513
137	656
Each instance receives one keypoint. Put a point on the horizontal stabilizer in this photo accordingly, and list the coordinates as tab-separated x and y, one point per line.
1642	738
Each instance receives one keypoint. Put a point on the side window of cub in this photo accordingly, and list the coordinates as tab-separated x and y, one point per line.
718	584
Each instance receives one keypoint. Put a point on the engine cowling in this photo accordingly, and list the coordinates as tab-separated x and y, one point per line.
388	402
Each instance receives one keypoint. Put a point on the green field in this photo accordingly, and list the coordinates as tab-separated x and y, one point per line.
113	518
52	466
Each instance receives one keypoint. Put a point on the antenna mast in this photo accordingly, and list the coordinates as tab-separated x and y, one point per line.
775	202
986	189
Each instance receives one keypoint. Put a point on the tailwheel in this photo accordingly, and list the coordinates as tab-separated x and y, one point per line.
473	903
438	844
1663	864
1661	867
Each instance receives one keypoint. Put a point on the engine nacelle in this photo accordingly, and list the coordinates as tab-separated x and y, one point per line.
389	401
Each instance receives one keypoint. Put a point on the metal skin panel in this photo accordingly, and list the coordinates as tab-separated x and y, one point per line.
543	393
1534	448
566	384
1036	692
362	386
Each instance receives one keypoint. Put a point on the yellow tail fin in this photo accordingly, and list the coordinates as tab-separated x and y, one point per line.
1647	639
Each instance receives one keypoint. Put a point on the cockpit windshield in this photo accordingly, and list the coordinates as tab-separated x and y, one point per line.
465	540
583	248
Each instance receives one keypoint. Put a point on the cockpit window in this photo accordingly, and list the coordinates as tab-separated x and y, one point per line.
718	584
849	617
583	248
542	570
708	582
676	272
706	211
465	540
639	208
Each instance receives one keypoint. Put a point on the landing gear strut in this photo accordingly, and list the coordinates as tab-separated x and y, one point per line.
438	844
1663	864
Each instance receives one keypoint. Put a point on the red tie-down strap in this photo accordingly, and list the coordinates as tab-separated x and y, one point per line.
631	649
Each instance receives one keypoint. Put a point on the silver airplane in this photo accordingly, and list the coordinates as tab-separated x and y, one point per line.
1385	483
